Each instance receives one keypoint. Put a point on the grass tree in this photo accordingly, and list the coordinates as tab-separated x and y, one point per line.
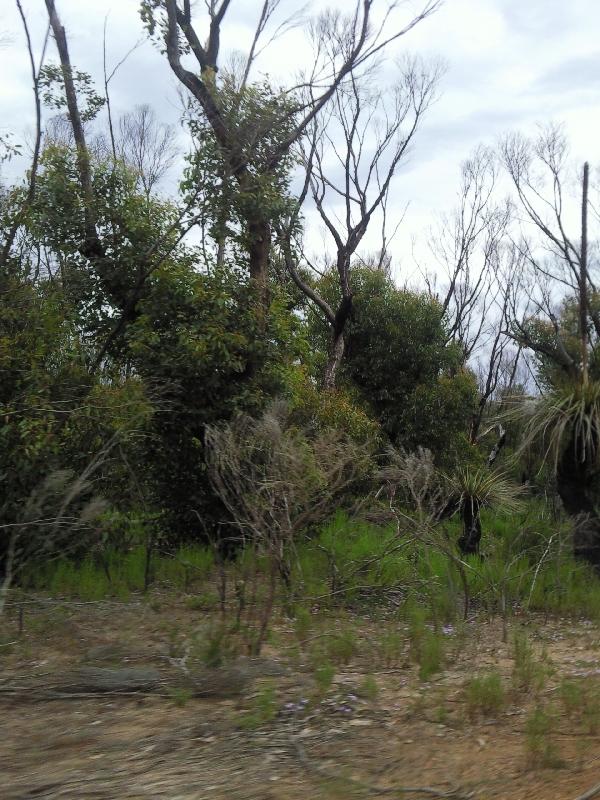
564	329
469	491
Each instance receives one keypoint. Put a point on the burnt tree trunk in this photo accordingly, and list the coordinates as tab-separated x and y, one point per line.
575	483
471	535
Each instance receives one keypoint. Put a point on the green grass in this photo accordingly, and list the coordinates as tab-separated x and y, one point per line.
527	563
485	695
540	745
529	673
263	709
117	574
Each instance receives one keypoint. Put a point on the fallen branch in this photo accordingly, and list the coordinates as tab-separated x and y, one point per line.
593	792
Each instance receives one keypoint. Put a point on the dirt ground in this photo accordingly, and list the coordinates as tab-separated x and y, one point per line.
166	744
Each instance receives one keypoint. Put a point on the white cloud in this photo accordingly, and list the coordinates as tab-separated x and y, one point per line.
510	64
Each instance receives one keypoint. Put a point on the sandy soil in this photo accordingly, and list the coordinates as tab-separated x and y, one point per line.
412	734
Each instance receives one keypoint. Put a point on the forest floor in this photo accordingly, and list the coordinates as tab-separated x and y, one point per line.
242	742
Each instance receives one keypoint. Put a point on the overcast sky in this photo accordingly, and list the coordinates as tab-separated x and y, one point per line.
510	64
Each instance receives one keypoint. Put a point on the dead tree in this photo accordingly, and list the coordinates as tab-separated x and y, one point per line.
146	145
351	156
557	261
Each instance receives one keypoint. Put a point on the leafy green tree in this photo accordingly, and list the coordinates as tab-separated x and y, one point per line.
400	366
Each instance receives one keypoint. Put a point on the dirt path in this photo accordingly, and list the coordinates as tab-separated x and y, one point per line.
150	746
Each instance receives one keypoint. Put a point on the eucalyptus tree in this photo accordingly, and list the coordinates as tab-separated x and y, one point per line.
342	47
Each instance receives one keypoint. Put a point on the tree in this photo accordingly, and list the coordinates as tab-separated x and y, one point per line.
361	176
400	364
343	46
566	418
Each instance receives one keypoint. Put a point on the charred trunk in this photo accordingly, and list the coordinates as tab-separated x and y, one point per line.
471	534
575	483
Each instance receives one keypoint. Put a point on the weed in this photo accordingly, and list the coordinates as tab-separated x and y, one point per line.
540	746
368	688
528	672
180	696
390	648
591	711
426	646
485	695
324	674
206	601
263	709
303	624
342	646
572	695
213	646
430	656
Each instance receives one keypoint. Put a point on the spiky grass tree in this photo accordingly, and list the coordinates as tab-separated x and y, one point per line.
567	423
470	491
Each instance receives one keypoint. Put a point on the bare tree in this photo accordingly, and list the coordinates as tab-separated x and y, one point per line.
468	249
351	156
146	145
36	68
557	260
343	45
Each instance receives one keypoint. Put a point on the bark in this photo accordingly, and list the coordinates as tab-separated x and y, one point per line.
575	481
259	247
336	352
583	280
471	535
93	247
495	451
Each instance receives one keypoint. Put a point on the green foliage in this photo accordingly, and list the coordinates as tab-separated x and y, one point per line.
400	364
541	748
263	709
51	84
485	695
368	688
529	674
329	410
483	488
565	414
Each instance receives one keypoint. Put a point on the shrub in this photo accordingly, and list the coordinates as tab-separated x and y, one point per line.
541	748
485	695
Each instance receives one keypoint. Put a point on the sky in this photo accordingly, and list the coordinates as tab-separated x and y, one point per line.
510	65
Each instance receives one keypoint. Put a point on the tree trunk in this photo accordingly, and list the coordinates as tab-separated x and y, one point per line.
336	352
471	535
575	485
259	249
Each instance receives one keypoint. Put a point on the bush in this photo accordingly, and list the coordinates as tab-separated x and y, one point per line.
485	695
